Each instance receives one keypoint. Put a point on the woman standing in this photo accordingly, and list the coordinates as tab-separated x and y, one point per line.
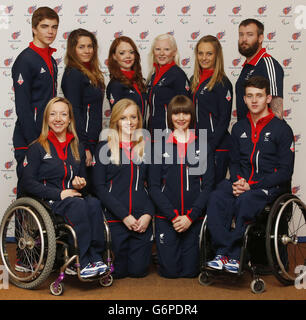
166	80
120	174
126	80
180	183
54	169
83	85
212	96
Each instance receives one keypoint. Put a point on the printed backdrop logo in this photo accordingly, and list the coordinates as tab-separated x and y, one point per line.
160	9
66	35
236	10
261	10
287	10
194	35
8	61
296	36
83	9
185	9
287	112
295	189
143	35
211	10
31	9
8	165
286	62
134	9
236	62
220	35
118	34
271	35
15	35
57	9
296	87
8	112
108	9
185	62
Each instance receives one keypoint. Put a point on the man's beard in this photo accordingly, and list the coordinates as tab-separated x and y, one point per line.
250	51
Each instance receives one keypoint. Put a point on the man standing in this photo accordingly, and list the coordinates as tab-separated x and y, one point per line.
34	76
258	63
262	161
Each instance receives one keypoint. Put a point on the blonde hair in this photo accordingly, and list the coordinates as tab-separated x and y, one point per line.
113	134
218	74
171	39
43	138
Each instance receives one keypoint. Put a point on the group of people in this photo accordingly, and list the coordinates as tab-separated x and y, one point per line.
134	179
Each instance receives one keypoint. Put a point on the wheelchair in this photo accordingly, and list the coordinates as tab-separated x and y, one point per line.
282	227
30	231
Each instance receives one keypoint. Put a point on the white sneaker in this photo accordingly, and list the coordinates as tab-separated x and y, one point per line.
218	262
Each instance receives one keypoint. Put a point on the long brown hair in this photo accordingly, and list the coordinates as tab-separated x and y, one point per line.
218	74
95	75
114	68
43	138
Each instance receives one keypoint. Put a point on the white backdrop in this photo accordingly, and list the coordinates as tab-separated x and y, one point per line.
188	21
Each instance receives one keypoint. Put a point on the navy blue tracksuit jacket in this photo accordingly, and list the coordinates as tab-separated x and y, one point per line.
176	191
45	176
264	156
122	192
34	86
116	91
87	101
172	83
213	112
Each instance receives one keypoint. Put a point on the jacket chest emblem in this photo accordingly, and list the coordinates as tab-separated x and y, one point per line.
267	136
47	156
162	82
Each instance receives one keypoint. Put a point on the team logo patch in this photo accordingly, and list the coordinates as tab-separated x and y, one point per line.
111	100
42	70
20	80
267	136
47	156
187	86
228	96
244	135
25	161
161	238
292	147
166	155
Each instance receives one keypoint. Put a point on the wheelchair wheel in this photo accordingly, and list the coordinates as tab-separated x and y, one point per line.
285	232
27	243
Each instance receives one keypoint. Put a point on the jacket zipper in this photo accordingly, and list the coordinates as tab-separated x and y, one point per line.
137	179
182	188
65	176
71	175
166	116
257	160
131	184
87	120
187	178
211	122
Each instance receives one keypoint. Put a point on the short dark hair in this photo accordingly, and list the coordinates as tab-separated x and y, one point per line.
42	13
178	104
257	82
260	26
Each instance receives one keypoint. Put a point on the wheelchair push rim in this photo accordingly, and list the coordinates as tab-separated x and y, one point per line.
286	246
27	243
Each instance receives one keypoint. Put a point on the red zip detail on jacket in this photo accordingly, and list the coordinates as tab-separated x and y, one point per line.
65	176
182	188
252	165
131	184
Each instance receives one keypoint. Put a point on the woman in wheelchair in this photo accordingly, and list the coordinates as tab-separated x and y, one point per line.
119	177
262	160
54	170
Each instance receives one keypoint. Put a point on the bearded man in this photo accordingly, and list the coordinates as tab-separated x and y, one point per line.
258	63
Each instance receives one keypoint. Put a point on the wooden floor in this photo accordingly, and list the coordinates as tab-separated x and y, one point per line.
154	287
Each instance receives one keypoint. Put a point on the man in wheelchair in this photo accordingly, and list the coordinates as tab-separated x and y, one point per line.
262	161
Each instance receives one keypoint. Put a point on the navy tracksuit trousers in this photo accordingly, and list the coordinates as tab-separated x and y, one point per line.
132	250
85	216
223	206
177	252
